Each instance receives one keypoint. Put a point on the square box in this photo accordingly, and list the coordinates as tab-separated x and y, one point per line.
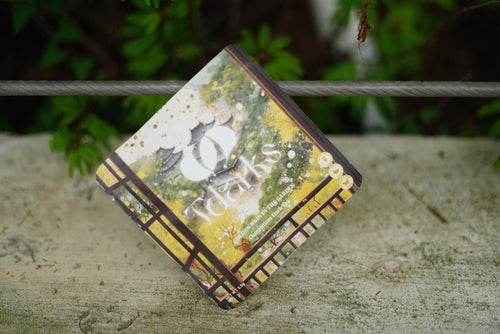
229	177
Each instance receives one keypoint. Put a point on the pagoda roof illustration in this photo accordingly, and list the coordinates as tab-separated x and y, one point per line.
199	131
201	128
164	153
168	161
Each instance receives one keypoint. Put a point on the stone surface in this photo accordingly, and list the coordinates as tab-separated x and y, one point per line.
415	250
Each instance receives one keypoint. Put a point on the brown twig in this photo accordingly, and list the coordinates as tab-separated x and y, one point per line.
364	23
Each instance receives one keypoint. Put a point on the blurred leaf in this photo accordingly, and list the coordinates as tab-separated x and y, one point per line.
179	9
428	114
359	106
54	7
495	129
496	164
264	36
153	23
90	156
46	121
190	51
247	42
74	162
21	13
148	21
447	4
67	108
136	47
490	109
55	53
408	125
278	63
279	43
443	130
52	55
344	71
386	105
99	130
140	109
66	32
80	134
60	140
82	67
151	62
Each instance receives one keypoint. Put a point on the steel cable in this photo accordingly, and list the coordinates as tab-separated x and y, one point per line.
293	88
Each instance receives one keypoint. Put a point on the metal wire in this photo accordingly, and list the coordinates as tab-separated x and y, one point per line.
294	88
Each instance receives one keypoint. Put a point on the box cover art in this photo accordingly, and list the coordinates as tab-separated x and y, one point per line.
229	177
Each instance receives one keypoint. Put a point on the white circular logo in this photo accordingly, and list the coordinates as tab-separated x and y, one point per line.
346	182
202	157
335	171
325	159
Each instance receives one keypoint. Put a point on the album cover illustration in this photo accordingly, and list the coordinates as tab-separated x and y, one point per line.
229	177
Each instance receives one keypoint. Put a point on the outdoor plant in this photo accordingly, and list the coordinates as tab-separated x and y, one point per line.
401	33
165	40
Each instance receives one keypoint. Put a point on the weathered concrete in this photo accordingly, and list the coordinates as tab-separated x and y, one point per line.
416	250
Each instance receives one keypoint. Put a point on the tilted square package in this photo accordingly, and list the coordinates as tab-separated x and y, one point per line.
229	177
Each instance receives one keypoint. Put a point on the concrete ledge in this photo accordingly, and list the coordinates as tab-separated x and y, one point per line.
416	250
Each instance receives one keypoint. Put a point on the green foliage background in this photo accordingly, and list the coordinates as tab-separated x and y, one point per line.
165	40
